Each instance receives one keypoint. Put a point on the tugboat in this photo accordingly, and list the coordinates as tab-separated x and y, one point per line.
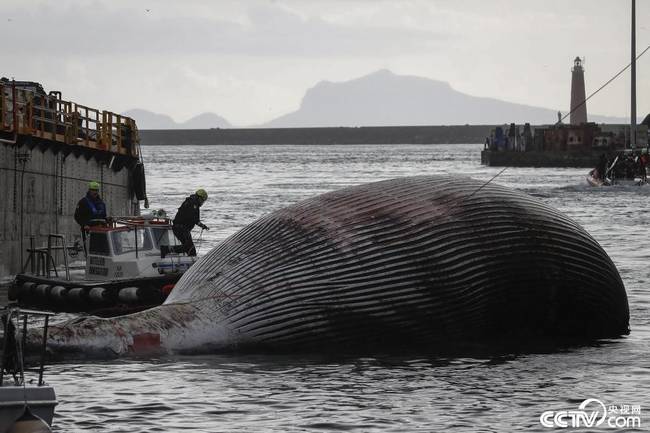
25	405
132	263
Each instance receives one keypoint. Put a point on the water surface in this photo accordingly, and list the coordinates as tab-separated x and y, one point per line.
383	393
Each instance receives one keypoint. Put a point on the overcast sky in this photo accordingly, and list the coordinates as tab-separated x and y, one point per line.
252	61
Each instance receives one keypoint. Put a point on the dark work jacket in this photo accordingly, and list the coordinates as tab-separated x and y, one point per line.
89	209
188	214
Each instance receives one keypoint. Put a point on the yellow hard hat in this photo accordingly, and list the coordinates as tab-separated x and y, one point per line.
93	185
202	194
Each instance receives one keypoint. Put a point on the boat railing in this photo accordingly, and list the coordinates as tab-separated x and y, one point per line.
57	241
139	221
13	350
42	261
147	221
27	111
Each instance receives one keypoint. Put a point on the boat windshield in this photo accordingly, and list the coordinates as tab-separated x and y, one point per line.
98	244
163	236
126	241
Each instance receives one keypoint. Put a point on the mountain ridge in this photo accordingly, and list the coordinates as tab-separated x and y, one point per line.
146	119
381	98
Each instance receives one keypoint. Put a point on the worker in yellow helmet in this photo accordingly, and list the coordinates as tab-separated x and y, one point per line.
186	218
90	210
91	207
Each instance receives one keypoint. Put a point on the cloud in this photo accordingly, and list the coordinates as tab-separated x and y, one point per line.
96	29
253	60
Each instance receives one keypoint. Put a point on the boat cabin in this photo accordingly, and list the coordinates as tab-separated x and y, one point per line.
130	247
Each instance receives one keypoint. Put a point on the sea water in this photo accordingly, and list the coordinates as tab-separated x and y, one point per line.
378	392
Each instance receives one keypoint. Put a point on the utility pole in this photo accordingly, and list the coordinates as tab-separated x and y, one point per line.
633	80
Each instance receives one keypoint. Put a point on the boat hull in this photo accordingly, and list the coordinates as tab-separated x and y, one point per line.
102	298
41	401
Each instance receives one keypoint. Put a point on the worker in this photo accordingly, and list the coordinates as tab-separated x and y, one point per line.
90	209
644	159
186	218
601	168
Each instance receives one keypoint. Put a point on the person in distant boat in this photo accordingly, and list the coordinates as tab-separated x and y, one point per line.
643	166
186	218
602	166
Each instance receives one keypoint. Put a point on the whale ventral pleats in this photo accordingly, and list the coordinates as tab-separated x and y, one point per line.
419	263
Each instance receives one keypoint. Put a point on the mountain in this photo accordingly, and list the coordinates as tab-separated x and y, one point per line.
205	121
149	120
384	98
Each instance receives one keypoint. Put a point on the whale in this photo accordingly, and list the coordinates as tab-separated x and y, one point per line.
414	262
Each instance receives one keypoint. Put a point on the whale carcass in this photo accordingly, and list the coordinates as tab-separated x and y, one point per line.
417	261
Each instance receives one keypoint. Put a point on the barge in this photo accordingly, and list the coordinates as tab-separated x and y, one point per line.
559	145
577	144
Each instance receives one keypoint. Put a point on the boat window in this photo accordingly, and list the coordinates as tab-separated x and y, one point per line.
125	241
98	244
163	236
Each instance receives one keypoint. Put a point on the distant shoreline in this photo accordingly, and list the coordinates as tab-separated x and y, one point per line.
453	134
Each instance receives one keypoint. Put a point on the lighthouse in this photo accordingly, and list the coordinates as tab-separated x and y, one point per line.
578	103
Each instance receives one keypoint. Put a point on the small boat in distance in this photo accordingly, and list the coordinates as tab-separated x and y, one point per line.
632	162
594	180
628	168
124	271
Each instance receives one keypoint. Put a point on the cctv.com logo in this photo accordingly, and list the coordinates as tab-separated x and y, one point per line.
593	413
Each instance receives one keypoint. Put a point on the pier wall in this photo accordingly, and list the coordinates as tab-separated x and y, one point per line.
539	159
343	135
39	191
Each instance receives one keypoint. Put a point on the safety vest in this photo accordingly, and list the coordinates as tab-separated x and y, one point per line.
98	210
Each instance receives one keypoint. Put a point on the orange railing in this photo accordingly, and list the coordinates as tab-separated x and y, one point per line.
28	112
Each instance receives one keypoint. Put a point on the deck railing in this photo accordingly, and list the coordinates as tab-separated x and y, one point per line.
28	112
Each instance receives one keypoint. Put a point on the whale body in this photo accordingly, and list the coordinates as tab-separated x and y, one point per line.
417	262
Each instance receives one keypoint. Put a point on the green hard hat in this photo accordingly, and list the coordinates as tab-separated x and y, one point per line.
202	194
94	185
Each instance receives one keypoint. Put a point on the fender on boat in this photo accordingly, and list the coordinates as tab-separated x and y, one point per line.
98	295
417	262
138	181
130	295
58	293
